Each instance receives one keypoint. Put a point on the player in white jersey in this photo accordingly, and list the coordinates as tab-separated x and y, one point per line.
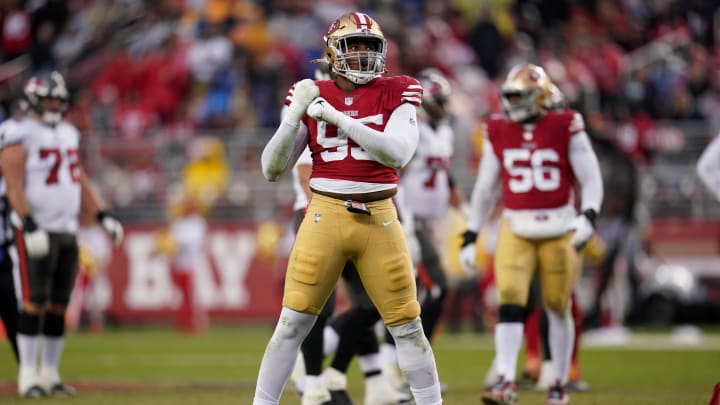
429	190
47	189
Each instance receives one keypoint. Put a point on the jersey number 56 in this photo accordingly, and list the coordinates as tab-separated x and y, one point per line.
529	168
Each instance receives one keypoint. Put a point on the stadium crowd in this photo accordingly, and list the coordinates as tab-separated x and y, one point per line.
134	67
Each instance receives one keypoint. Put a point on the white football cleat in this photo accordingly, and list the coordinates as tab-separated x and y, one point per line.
315	396
395	378
547	376
378	391
29	385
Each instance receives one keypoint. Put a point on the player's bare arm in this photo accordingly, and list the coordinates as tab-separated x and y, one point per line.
91	203
12	162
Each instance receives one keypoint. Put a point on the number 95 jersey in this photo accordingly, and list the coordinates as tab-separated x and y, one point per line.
52	172
334	155
534	159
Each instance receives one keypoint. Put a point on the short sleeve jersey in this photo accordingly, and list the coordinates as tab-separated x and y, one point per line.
534	159
52	172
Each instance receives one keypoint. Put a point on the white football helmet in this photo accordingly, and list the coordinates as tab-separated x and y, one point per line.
50	86
357	66
436	93
525	92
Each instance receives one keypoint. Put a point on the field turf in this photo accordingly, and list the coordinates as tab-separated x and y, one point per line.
158	366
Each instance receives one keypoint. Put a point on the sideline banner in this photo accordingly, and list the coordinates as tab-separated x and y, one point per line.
232	281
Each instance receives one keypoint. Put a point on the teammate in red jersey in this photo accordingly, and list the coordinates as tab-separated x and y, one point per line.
535	157
360	128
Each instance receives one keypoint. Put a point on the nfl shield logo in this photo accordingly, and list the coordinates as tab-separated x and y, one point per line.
348	100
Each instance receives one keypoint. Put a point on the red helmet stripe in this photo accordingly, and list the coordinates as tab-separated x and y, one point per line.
362	21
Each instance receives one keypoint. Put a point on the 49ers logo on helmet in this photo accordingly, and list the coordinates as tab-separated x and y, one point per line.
533	75
333	27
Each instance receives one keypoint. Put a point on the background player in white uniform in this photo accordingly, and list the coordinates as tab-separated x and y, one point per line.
429	190
361	128
47	189
534	156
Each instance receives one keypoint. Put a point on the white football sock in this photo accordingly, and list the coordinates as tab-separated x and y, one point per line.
369	362
51	352
562	336
313	382
508	339
28	350
282	349
331	339
417	362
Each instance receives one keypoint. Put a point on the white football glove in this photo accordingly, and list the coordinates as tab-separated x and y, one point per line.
304	93
321	110
37	243
112	226
583	228
468	254
468	258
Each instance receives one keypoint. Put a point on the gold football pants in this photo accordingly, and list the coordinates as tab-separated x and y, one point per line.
329	236
517	259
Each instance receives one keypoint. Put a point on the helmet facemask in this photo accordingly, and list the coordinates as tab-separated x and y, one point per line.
345	55
51	87
525	92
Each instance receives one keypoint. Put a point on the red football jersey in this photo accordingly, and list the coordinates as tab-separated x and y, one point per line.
334	155
534	159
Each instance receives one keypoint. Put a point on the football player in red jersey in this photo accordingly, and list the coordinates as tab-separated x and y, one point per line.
535	157
360	128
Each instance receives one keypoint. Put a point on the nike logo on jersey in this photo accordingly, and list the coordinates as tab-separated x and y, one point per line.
387	223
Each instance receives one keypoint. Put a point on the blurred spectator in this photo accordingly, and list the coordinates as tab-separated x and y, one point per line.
209	53
183	243
16	26
134	116
487	43
205	178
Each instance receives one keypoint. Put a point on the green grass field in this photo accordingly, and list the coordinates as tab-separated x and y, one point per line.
158	366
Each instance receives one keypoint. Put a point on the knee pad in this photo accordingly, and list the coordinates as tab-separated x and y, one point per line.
511	313
557	304
408	312
297	301
510	295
